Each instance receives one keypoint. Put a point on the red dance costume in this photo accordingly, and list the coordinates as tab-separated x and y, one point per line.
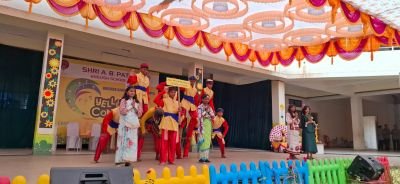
141	83
189	103
108	128
169	128
218	123
161	95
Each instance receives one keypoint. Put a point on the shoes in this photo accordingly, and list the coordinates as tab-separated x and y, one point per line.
202	161
207	161
127	164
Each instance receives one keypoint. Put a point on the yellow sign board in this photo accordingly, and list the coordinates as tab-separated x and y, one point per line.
178	83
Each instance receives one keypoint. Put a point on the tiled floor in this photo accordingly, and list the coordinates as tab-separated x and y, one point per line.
33	166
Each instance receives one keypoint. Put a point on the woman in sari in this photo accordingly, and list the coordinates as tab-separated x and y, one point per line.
294	140
205	115
309	144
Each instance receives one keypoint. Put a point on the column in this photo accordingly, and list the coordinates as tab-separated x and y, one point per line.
278	102
48	93
357	123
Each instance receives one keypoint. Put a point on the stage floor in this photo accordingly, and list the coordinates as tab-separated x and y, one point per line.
33	166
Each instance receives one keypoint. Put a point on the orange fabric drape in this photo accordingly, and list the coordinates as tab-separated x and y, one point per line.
316	49
87	12
132	24
349	44
228	50
335	4
252	57
331	52
169	34
299	56
111	14
152	22
200	41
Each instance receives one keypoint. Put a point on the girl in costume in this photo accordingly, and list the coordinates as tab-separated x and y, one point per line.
294	140
205	114
309	144
127	142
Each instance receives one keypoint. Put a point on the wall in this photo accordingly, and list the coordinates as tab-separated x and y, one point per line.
334	117
382	107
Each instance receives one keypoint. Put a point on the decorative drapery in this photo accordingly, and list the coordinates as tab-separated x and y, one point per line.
382	34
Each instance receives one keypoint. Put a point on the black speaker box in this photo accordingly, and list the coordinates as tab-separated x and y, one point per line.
117	175
366	168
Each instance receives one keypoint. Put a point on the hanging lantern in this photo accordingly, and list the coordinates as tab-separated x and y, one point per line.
306	37
185	18
221	9
301	11
232	33
270	22
268	44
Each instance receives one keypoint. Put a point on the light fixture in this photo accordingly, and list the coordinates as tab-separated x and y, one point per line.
231	33
306	37
315	11
221	9
185	18
270	22
220	6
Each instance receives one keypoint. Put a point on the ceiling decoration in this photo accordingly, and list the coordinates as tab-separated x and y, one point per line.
221	9
268	31
299	10
185	18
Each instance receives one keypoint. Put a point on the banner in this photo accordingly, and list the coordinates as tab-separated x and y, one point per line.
88	91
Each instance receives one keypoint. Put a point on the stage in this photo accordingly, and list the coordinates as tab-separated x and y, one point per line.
33	166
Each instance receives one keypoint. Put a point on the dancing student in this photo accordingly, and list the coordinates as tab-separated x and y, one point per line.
294	140
151	120
169	125
130	110
141	82
208	91
205	114
308	125
163	93
189	105
108	128
218	124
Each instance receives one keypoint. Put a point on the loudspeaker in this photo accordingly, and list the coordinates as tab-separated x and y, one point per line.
366	168
117	175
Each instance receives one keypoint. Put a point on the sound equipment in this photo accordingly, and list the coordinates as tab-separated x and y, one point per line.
365	168
117	175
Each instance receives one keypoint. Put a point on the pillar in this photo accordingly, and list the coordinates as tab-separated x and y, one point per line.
278	102
357	123
48	93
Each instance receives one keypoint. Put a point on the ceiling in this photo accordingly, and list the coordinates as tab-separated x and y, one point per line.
386	10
